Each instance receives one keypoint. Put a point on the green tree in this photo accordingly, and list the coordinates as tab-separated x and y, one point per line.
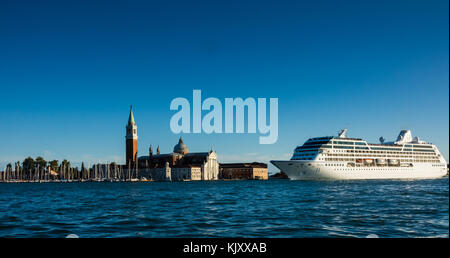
65	163
18	165
54	165
28	163
41	162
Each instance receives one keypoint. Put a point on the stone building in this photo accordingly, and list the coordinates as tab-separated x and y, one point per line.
158	173
187	173
179	165
244	171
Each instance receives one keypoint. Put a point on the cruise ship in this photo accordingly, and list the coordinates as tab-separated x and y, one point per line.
343	158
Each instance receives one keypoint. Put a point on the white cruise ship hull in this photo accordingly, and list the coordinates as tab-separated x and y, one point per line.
316	170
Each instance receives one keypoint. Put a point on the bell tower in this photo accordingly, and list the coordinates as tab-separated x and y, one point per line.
131	140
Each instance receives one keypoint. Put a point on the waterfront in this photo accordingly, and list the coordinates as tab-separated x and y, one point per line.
274	208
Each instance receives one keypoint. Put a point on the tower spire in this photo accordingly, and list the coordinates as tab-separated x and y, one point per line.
131	140
131	117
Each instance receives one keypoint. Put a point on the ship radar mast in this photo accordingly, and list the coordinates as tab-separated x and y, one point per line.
342	133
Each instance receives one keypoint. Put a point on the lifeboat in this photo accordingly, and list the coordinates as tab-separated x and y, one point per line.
380	161
368	161
393	162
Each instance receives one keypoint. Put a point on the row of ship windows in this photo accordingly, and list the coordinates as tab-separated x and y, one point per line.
315	148
349	159
397	154
364	143
404	160
381	156
349	143
424	155
327	141
320	138
353	160
315	143
416	155
324	140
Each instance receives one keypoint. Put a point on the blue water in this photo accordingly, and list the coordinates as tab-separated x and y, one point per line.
274	208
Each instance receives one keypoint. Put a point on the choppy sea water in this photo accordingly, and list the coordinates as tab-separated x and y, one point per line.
274	208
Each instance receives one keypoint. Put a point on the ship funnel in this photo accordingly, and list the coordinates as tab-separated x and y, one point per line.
404	137
342	133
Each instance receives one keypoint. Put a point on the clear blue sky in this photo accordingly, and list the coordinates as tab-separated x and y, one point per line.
69	71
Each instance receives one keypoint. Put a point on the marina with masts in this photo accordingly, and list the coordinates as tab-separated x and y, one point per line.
97	173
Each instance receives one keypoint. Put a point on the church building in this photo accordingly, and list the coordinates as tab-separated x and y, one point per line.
180	165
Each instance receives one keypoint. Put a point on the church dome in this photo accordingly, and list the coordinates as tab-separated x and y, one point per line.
180	147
